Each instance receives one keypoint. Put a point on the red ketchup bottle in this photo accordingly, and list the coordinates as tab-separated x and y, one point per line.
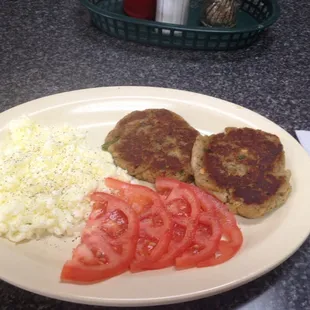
144	9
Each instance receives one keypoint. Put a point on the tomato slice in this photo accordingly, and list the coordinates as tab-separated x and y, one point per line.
214	207
205	244
164	186
226	249
108	243
184	208
228	225
171	189
206	201
155	222
223	254
230	231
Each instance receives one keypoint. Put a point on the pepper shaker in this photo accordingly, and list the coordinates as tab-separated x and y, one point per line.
220	13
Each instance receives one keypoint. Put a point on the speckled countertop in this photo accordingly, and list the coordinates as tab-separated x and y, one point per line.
48	47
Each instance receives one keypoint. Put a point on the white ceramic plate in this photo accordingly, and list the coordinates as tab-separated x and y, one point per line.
36	265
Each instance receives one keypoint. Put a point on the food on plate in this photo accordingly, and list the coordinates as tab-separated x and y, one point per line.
212	222
152	143
244	168
108	242
52	181
184	209
46	174
231	236
155	223
140	229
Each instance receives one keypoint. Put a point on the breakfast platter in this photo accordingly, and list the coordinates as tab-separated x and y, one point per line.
68	160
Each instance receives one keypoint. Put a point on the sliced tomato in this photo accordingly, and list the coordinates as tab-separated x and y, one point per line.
206	200
164	186
228	224
205	244
214	206
228	247
172	191
155	222
225	252
108	242
184	208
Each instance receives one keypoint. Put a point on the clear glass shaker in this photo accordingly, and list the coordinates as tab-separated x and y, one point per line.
220	13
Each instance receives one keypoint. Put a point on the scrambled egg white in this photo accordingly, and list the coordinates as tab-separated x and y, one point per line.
46	174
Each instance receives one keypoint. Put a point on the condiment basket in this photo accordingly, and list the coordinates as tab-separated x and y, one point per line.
254	16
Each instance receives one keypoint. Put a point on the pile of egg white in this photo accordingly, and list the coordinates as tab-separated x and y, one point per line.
46	174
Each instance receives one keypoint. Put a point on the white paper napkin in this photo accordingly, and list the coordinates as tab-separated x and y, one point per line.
304	138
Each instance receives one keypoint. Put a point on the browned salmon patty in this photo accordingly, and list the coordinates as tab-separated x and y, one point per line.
152	143
243	167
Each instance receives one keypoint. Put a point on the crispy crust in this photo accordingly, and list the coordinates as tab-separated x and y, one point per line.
244	168
151	143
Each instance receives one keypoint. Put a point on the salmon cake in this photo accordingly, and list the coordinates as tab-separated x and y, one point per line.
152	143
244	168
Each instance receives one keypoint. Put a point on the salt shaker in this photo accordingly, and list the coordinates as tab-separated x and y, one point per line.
172	11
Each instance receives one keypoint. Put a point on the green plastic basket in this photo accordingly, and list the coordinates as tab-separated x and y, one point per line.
253	17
